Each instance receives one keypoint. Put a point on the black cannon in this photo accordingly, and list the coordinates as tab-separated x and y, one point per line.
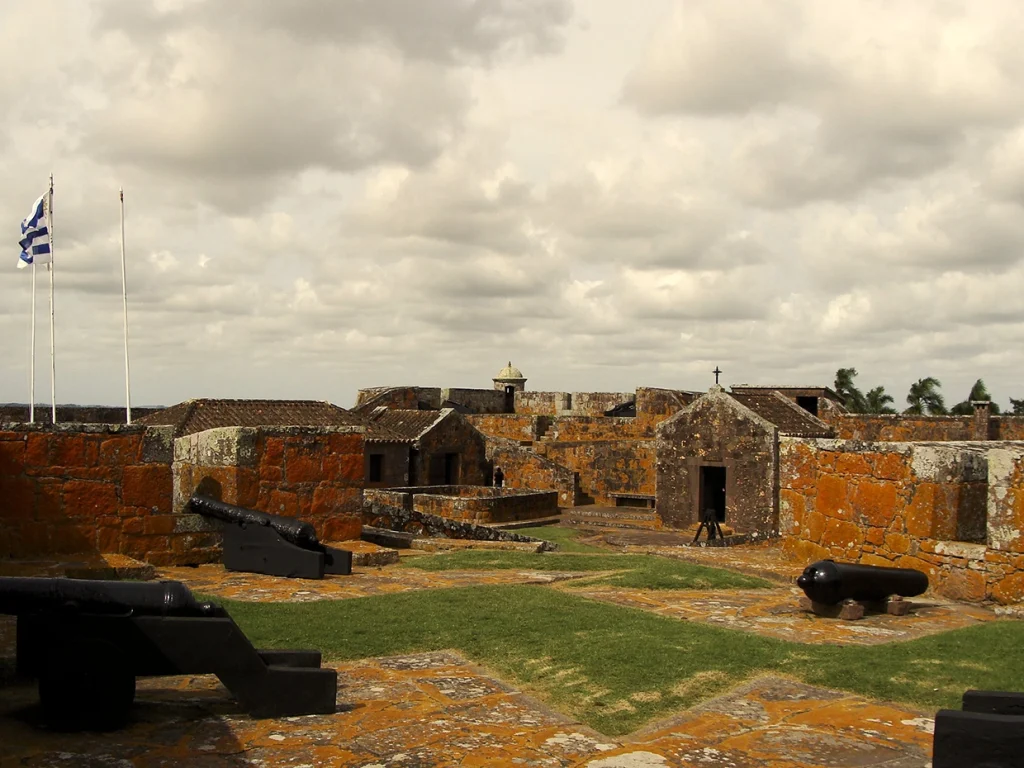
258	542
828	583
86	642
989	731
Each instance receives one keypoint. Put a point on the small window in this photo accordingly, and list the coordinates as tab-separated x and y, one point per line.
376	467
809	404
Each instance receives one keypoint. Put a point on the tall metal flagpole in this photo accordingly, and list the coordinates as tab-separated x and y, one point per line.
32	359
124	295
49	268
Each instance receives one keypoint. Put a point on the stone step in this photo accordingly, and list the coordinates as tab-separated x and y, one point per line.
606	521
619	513
534	523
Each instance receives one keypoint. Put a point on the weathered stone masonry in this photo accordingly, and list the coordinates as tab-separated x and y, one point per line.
717	431
951	510
78	488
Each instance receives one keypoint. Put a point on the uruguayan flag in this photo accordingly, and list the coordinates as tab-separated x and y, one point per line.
35	241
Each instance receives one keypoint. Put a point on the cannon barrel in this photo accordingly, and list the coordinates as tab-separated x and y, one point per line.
28	595
295	531
829	582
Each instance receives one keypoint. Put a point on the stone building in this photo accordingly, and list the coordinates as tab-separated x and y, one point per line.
720	453
411	448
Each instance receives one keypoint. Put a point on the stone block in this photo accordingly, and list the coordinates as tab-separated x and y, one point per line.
1008	589
843	534
890	466
158	445
961	584
852	464
851	611
897	606
147	485
69	451
84	498
303	464
12	457
37	450
874	503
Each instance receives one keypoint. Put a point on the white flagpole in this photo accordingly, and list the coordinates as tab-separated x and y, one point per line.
32	358
49	268
124	296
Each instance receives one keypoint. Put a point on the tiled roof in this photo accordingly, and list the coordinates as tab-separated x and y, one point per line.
827	392
194	416
789	417
395	425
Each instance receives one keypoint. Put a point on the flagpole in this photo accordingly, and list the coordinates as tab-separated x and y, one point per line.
124	296
32	357
49	268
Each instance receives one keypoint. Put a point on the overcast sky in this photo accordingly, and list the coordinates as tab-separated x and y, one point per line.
323	195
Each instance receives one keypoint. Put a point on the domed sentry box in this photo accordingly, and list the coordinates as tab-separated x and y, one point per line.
86	641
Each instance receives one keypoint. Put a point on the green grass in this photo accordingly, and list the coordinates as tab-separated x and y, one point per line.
632	571
618	668
565	538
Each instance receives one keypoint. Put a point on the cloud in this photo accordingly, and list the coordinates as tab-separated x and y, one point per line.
324	196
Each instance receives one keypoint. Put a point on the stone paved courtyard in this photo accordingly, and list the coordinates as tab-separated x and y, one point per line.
437	709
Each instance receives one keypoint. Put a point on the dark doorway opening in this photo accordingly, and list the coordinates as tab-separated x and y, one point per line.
510	399
451	469
712	492
414	463
809	404
376	467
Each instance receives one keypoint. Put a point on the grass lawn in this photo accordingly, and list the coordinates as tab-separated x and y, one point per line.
617	668
565	538
634	571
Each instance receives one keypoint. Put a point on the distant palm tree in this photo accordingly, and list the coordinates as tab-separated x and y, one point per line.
852	397
978	393
877	401
924	397
1017	406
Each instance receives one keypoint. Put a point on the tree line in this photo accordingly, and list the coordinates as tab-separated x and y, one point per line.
923	398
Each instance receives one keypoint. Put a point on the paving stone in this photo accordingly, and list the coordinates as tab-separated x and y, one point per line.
436	709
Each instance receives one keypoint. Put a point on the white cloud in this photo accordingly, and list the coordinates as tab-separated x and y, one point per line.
340	195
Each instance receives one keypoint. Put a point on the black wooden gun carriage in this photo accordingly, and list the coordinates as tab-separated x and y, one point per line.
258	542
86	642
988	731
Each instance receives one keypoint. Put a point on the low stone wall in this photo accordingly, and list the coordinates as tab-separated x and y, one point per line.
527	470
479	400
312	473
72	414
477	504
654	405
902	428
541	403
606	467
569	429
510	426
380	512
1006	428
86	488
598	403
946	509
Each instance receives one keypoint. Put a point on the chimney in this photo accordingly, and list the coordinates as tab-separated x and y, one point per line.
982	412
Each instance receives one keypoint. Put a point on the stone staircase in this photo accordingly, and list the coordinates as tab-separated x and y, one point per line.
612	517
